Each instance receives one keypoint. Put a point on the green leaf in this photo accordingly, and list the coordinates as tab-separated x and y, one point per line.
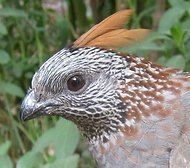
146	46
12	12
156	36
68	138
175	2
30	160
69	162
162	60
177	61
5	162
63	137
4	57
3	29
170	18
47	139
180	4
4	148
11	89
185	25
178	35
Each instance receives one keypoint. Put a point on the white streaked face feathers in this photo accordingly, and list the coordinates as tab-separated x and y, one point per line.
100	90
94	105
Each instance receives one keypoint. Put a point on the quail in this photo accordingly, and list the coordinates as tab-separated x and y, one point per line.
133	113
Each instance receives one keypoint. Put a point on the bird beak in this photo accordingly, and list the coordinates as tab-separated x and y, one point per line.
31	108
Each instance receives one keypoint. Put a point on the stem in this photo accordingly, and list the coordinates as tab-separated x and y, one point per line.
39	48
25	132
8	109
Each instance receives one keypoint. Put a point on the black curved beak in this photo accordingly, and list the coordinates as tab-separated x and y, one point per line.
30	108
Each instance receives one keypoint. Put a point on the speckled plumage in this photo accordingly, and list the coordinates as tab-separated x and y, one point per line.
133	113
128	104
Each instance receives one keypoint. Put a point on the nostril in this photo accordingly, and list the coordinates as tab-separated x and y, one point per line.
39	97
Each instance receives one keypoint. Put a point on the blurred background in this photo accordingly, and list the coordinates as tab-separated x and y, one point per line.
32	31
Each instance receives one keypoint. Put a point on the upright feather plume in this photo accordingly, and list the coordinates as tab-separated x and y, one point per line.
111	32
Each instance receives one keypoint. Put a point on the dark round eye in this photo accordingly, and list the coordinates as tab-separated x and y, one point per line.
75	83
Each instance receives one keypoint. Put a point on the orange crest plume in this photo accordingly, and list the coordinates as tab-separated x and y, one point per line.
111	32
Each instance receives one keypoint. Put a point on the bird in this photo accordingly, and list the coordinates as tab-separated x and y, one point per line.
132	112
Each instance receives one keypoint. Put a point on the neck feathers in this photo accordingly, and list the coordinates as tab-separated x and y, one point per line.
151	123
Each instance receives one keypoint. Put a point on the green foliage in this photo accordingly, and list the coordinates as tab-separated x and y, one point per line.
30	32
4	57
3	29
11	89
5	160
64	133
52	149
6	12
171	40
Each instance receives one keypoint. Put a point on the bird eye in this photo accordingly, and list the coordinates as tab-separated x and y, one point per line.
75	83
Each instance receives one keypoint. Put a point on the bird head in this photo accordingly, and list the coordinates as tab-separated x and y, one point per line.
78	84
83	82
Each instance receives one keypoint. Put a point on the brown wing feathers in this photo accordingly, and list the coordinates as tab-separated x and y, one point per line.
110	33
